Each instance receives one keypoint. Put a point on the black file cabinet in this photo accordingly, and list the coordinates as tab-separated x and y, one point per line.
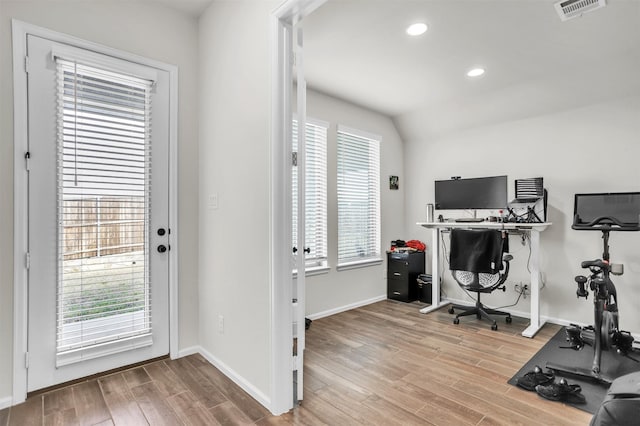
403	269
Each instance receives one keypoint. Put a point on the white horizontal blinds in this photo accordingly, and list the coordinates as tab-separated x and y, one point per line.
315	193
358	196
103	210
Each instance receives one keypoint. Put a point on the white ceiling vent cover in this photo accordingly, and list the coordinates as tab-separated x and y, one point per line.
570	9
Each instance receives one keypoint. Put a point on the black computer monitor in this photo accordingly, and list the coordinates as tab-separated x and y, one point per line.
471	194
617	209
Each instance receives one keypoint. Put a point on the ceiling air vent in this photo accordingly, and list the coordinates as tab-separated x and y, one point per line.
570	9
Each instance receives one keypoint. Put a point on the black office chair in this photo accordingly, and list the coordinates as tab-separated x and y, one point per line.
478	263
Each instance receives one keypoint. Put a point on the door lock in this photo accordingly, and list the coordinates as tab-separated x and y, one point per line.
161	231
162	248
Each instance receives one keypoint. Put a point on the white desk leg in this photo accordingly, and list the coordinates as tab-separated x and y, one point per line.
436	303
536	322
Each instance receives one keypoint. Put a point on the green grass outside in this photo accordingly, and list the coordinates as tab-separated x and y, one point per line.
99	287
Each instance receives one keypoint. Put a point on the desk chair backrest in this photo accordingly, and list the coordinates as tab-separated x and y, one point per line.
477	259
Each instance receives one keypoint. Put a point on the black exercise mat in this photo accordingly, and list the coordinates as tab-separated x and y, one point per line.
612	365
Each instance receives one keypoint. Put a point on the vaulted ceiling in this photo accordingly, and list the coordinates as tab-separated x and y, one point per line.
534	62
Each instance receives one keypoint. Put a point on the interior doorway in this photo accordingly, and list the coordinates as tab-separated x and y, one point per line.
288	308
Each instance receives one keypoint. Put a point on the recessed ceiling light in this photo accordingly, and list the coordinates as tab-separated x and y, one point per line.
476	72
417	29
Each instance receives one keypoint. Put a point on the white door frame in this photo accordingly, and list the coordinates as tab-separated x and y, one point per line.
283	19
20	223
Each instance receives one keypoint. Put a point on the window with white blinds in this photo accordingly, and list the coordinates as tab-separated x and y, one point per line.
103	297
315	193
358	196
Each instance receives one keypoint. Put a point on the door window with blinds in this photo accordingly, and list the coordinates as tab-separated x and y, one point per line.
103	293
315	193
358	196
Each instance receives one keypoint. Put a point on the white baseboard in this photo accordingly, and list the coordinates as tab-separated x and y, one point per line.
6	402
348	307
189	351
237	379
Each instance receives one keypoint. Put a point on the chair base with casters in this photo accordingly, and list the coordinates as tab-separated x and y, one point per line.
480	311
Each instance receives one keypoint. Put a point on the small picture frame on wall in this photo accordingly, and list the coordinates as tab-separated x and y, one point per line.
393	182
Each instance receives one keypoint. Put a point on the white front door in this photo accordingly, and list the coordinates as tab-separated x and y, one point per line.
98	238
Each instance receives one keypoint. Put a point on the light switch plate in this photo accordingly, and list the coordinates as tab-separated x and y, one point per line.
213	201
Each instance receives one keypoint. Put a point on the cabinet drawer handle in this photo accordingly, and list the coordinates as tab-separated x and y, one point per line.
396	292
397	274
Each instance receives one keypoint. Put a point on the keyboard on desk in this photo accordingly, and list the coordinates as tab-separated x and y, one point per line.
469	220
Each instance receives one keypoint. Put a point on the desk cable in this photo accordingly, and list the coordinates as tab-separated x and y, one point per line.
526	239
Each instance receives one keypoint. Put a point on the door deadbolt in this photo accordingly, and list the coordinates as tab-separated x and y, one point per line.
162	248
161	231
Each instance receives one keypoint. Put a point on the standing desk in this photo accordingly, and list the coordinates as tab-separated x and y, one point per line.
533	229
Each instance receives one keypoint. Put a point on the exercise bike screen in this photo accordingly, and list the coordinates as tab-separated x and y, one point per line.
621	206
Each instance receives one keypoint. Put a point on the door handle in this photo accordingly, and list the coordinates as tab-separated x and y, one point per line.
162	248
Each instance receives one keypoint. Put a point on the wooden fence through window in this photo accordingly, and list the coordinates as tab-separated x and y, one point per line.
102	226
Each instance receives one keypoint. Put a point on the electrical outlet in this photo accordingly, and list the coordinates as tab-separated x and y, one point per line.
522	289
220	324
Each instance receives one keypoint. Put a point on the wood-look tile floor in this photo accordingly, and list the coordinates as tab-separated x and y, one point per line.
382	364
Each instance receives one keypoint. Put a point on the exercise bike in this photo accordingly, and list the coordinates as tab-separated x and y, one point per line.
605	333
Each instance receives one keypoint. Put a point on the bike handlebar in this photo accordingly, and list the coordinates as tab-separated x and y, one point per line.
604	223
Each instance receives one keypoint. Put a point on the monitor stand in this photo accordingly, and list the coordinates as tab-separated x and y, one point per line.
470	219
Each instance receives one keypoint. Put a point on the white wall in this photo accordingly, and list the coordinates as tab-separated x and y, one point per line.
234	165
337	289
589	149
145	29
235	108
